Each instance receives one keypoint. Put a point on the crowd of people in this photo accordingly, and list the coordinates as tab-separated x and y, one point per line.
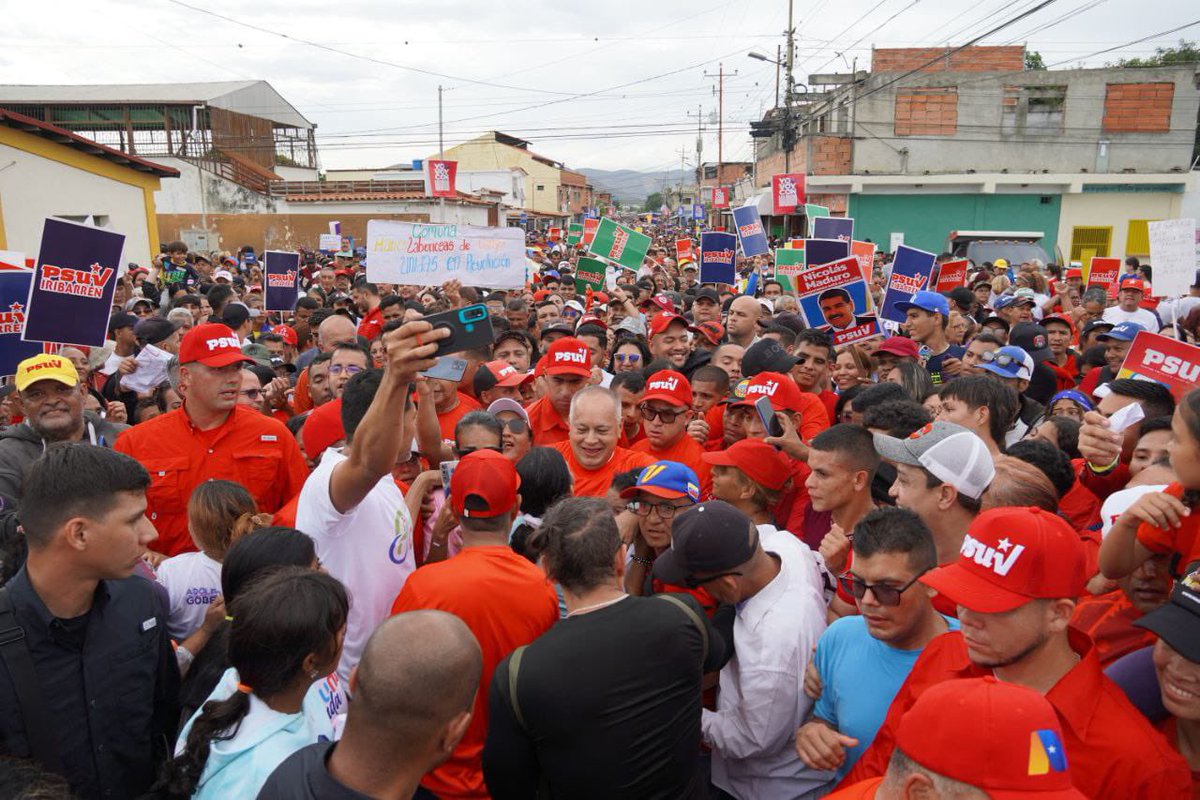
657	540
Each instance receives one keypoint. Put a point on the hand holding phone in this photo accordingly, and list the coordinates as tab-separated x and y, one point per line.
470	327
766	415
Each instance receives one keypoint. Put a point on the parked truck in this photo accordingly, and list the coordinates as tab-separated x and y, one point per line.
1014	247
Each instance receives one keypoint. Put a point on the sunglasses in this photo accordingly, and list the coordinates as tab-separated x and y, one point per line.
1001	359
516	425
664	510
347	369
649	413
885	595
630	358
463	452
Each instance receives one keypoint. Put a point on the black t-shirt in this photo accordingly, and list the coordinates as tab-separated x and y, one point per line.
934	364
304	775
611	706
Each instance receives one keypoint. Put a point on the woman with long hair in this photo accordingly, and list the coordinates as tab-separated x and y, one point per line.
286	635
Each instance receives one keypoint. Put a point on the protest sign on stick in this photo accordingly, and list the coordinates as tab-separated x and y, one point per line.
281	272
619	244
911	273
787	192
789	262
1103	272
589	274
750	233
953	275
71	294
431	254
834	298
833	228
1173	253
1173	363
717	254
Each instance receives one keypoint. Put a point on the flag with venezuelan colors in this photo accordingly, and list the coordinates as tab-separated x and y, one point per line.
1046	753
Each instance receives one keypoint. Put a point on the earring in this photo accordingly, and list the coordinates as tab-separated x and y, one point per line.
314	674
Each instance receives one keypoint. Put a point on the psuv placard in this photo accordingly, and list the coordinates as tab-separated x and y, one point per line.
71	295
1173	363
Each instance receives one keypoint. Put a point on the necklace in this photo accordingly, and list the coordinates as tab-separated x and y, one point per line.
595	606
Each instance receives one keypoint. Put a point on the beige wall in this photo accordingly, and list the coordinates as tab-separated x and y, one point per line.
485	154
1115	210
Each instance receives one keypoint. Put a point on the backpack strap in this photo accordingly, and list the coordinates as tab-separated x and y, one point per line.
691	612
514	667
14	651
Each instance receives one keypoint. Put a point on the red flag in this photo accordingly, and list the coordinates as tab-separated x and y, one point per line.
787	192
441	176
720	197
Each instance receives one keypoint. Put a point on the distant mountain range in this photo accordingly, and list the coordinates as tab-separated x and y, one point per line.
631	186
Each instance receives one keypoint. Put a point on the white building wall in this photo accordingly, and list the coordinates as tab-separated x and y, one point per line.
33	188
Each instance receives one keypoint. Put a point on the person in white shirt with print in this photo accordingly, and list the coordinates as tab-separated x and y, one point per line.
780	616
1128	308
351	505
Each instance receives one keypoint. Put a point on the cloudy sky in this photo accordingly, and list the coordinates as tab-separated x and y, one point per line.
613	84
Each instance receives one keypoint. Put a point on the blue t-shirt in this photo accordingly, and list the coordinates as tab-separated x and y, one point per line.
934	363
861	676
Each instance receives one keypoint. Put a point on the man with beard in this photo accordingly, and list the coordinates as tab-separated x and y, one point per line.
366	300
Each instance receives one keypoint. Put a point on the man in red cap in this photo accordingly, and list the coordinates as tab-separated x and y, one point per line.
504	598
1128	307
568	367
497	379
1060	331
666	410
1016	581
892	351
591	451
211	436
669	339
976	737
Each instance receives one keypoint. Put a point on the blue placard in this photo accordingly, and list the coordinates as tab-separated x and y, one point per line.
750	231
718	252
825	251
833	228
71	294
698	211
911	272
281	273
14	293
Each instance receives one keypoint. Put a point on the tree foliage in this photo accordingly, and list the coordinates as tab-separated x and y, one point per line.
653	202
1185	53
1034	60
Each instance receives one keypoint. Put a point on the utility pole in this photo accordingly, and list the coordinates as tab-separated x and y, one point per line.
441	153
720	92
789	91
778	59
699	140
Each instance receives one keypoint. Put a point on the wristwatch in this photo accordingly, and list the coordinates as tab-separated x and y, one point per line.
646	562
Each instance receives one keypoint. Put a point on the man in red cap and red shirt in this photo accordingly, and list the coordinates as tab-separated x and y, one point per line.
591	452
1060	331
666	410
504	598
568	368
976	737
669	339
1015	583
211	436
497	379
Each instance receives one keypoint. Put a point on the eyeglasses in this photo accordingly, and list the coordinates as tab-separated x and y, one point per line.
650	412
664	510
630	358
885	595
348	369
692	582
251	394
516	425
462	452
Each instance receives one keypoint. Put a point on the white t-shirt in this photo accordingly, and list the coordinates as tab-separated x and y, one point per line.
193	582
1141	316
369	549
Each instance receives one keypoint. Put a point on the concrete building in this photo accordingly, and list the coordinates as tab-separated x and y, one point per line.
926	143
47	171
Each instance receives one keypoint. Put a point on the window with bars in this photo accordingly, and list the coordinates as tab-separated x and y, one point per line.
1088	242
1137	239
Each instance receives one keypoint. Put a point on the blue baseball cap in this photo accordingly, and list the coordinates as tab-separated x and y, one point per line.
1006	300
932	302
1009	362
1074	396
1122	332
668	479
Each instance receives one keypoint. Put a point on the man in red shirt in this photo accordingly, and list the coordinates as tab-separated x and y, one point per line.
568	369
666	410
497	379
1060	330
669	339
1016	582
591	452
814	353
211	436
975	738
504	598
366	302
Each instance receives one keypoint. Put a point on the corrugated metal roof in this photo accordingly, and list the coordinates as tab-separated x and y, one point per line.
255	98
367	197
55	134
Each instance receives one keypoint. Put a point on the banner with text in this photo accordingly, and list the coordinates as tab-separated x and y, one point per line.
71	294
440	176
833	228
281	272
750	233
429	255
717	254
574	233
683	249
14	293
911	273
953	275
787	192
590	274
619	244
1173	252
789	262
1103	272
1171	362
834	298
865	253
589	230
720	197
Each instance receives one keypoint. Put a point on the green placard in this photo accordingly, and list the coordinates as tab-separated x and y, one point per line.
811	211
574	233
788	263
620	244
589	274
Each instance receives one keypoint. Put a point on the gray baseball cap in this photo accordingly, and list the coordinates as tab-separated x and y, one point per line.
950	452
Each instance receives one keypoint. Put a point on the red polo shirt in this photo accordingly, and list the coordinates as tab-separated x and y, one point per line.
548	425
595	482
371	326
249	448
686	451
1113	751
447	421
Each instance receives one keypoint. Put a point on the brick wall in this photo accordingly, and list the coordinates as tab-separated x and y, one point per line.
971	59
1138	107
927	112
831	155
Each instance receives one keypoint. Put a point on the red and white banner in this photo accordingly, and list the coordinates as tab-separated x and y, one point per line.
1103	272
720	197
953	275
683	249
554	234
440	175
787	192
1169	361
589	229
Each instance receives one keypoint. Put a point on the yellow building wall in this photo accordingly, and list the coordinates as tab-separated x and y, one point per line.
485	154
1113	210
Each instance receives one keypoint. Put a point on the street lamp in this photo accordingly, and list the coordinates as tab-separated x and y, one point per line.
757	56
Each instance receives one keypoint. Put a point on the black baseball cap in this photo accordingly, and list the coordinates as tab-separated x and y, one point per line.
1093	325
766	355
708	293
153	330
1176	622
1032	338
121	319
706	538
